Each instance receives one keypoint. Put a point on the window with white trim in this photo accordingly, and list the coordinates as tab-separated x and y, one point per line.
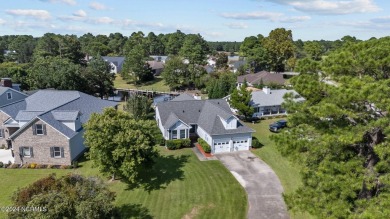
9	95
174	134
39	129
26	151
182	133
57	152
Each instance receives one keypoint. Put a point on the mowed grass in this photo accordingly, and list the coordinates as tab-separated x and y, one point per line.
156	85
179	186
287	172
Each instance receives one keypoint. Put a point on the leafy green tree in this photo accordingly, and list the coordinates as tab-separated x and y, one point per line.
98	77
222	86
53	45
195	49
140	107
24	47
308	65
120	145
175	73
257	57
156	47
174	42
369	58
222	60
313	49
55	72
116	44
240	100
69	196
280	47
135	66
17	72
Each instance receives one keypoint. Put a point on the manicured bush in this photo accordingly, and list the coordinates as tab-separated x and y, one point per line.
205	146
75	164
186	143
178	143
1	164
256	143
160	139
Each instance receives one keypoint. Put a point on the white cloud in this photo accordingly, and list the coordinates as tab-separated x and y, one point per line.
80	13
100	20
253	15
2	21
331	6
236	25
68	2
294	19
263	15
37	14
97	6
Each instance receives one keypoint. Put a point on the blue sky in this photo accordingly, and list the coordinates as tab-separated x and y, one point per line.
215	20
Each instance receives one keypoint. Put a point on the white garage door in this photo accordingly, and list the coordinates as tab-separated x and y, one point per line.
221	147
240	145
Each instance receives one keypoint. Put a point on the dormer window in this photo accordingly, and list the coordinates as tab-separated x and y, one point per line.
9	95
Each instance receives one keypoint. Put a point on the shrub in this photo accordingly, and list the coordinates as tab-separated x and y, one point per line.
25	166
178	143
13	166
255	143
50	166
64	167
1	164
75	164
185	143
205	146
160	139
40	166
32	165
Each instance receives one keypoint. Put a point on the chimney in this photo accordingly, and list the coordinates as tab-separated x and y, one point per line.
6	82
266	90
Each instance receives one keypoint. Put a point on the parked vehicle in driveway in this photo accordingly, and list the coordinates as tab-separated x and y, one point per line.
276	126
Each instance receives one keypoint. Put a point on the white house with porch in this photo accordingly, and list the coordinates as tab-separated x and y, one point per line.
212	120
267	102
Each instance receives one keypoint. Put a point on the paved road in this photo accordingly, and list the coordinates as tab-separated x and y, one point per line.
259	181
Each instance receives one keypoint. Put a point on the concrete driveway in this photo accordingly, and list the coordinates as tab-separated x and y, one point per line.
259	181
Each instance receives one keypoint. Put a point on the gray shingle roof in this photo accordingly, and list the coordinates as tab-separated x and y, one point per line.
116	60
65	115
54	105
264	76
183	96
205	113
27	115
273	99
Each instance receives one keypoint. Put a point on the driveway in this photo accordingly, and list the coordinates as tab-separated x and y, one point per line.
259	181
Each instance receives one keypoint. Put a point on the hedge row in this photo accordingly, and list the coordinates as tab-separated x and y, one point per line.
177	143
206	147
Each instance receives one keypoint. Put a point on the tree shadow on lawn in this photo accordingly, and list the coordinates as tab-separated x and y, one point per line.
134	211
165	170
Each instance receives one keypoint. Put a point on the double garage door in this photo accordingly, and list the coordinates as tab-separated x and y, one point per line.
225	146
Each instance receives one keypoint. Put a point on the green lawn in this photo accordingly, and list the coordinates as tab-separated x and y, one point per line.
287	172
156	85
179	186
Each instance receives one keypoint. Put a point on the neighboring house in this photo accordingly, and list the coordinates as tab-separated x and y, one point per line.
46	127
236	65
209	68
264	77
212	61
8	94
157	67
267	102
116	63
212	120
162	59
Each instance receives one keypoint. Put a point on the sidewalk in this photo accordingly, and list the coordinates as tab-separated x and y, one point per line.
200	156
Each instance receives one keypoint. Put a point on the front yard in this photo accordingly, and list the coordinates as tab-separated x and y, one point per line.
179	187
